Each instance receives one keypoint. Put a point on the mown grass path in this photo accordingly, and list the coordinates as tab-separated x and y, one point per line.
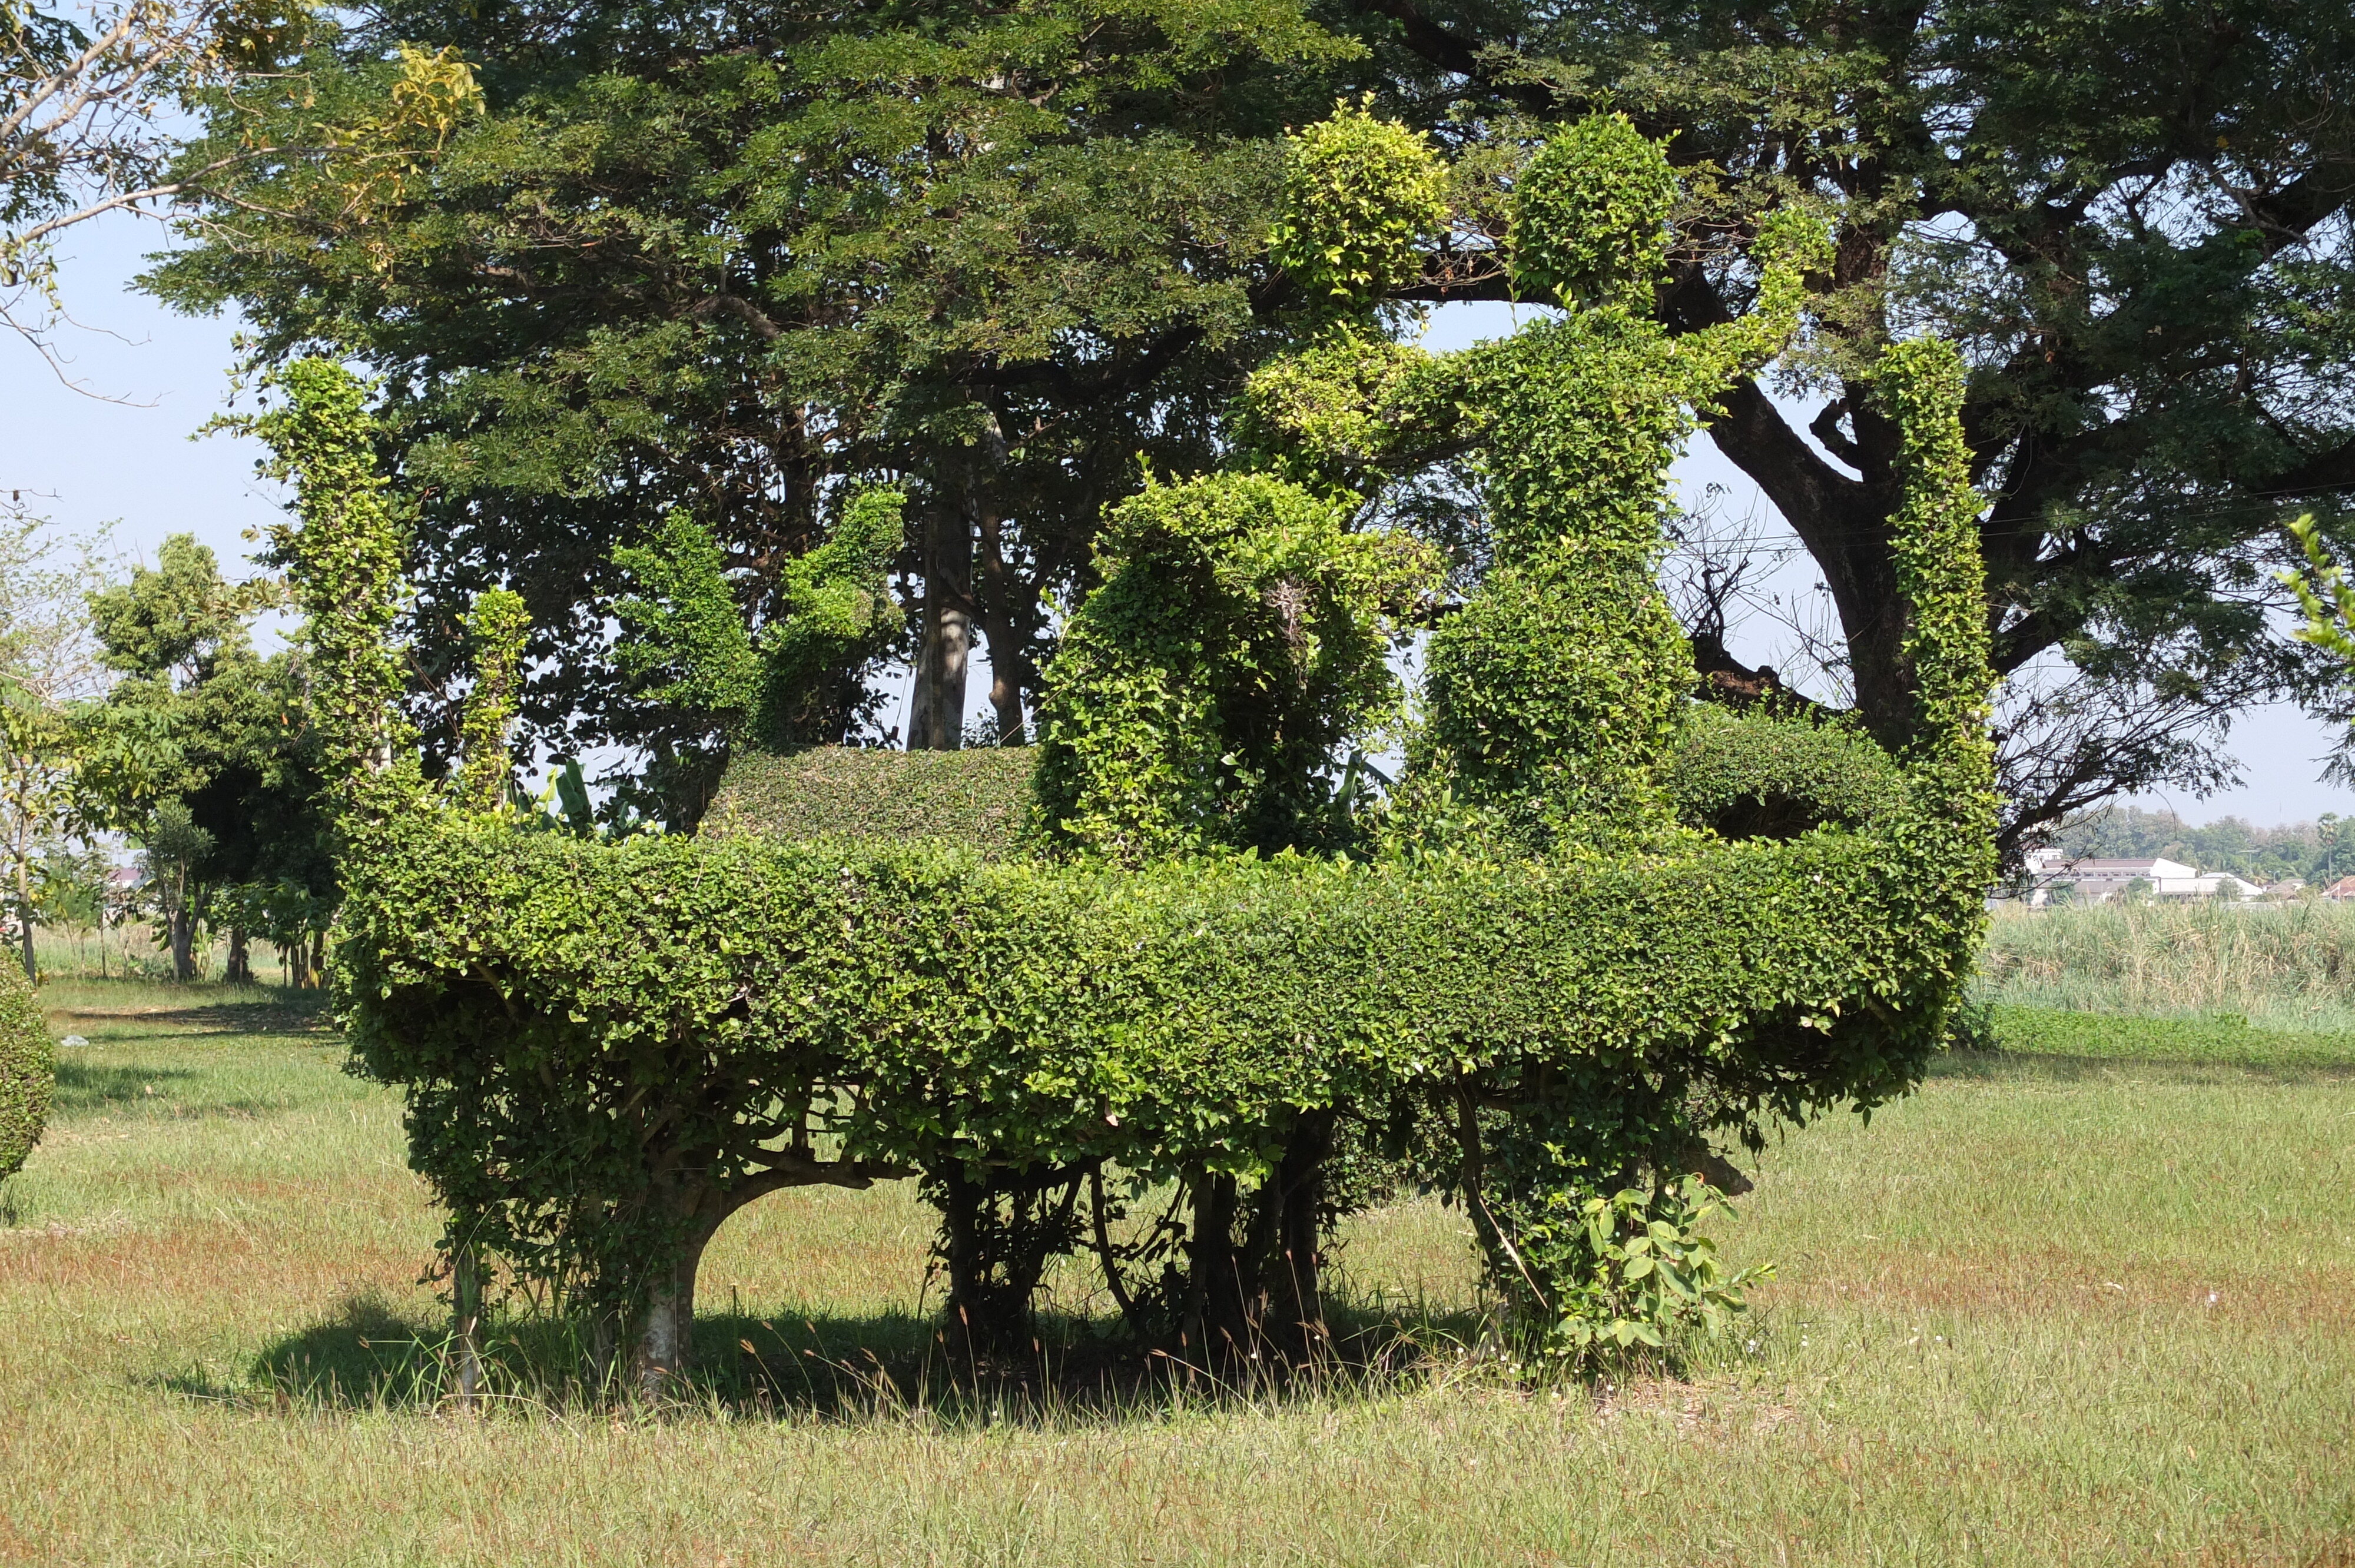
2072	1307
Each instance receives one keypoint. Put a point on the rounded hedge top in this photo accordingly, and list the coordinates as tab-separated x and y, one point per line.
28	1069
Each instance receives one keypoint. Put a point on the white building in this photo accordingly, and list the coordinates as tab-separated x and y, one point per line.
2095	880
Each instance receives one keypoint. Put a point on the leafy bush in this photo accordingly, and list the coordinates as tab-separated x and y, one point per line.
1361	194
1747	776
1636	1269
789	682
1237	642
28	1070
609	1048
978	797
707	1011
1591	215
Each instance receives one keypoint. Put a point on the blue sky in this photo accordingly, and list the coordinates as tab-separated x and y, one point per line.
124	456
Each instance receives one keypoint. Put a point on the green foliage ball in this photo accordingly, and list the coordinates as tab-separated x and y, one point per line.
1589	220
1761	775
1359	195
28	1070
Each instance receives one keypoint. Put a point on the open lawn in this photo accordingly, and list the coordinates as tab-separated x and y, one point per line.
2088	1301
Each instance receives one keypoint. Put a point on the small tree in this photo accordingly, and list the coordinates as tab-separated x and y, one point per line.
48	664
202	750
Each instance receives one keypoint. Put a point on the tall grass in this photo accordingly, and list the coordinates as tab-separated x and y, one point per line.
2282	966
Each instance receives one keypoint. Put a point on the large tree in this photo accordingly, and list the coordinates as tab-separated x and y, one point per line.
731	260
2135	217
86	91
637	259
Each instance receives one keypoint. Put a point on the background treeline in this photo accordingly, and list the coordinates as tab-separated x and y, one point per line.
142	724
2317	852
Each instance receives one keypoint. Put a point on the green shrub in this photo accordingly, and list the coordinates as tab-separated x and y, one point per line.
1590	218
1238	641
1635	1268
979	798
1361	194
1748	776
609	1048
28	1070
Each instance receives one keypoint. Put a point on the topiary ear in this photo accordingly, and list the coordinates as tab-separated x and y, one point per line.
1590	223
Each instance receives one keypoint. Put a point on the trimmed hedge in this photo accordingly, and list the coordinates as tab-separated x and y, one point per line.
609	1048
1741	776
28	1070
1750	775
979	798
710	1006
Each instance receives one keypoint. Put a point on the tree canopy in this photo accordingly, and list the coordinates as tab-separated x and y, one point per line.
2134	220
725	263
204	753
622	260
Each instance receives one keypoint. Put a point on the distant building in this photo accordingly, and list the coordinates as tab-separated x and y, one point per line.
2340	890
2054	878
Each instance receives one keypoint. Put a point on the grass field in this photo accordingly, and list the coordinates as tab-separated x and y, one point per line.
2088	1301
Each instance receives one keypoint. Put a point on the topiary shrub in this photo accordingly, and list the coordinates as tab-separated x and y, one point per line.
1360	195
1763	775
978	798
608	1048
1237	640
28	1070
1575	981
1551	698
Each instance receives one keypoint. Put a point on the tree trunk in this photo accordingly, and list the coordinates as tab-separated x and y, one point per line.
318	959
1221	1324
665	1340
1001	596
466	1290
999	1233
240	962
936	707
184	942
1295	1310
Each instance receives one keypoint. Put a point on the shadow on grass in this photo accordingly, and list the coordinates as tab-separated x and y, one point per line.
2285	1068
85	1086
113	1026
370	1355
